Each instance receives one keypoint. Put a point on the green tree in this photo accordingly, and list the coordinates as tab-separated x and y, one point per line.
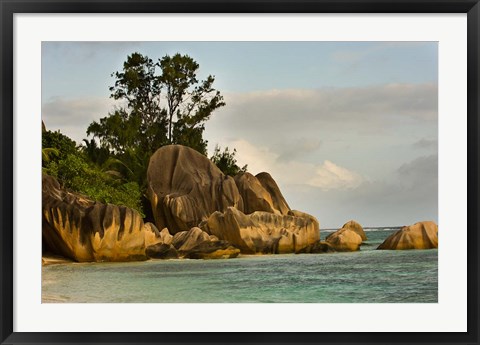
96	154
165	104
143	122
56	146
226	161
189	102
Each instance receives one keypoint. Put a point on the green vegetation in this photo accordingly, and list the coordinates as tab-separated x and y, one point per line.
56	146
226	161
71	166
164	103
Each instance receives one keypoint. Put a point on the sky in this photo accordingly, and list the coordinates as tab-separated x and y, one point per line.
349	130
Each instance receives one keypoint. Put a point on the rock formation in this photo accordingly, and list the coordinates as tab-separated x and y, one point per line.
161	251
193	244
318	248
186	240
355	227
202	214
279	202
83	230
153	236
345	241
213	250
260	193
187	190
263	232
254	196
348	238
185	187
421	235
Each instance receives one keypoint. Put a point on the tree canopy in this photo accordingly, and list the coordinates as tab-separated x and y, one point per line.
226	161
74	170
165	103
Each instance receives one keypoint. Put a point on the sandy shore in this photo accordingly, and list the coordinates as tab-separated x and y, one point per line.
54	259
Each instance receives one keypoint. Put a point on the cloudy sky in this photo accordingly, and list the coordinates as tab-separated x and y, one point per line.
347	129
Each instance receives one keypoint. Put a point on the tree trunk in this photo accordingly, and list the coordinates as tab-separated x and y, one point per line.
170	129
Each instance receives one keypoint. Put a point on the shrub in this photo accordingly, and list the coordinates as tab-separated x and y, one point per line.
226	161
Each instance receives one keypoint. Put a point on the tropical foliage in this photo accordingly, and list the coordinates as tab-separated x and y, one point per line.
71	166
226	161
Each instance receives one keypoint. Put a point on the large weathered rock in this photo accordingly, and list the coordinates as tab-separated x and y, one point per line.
197	244
161	251
83	230
263	232
353	226
317	248
185	187
187	190
213	250
279	202
345	241
153	236
421	235
186	240
255	196
348	238
260	193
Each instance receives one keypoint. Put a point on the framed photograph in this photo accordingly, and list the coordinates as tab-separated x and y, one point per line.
239	172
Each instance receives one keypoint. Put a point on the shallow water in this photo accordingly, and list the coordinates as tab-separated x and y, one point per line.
366	276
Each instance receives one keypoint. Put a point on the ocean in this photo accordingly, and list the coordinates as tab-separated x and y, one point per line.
366	276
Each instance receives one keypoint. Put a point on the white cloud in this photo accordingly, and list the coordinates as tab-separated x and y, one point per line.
326	176
368	129
408	195
422	170
331	176
299	147
334	105
73	116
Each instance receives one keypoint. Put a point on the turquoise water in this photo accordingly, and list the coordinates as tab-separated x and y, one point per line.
367	276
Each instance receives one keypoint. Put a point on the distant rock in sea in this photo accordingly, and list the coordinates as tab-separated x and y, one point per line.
355	227
348	238
421	235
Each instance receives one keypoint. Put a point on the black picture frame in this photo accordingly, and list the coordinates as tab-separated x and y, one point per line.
10	7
